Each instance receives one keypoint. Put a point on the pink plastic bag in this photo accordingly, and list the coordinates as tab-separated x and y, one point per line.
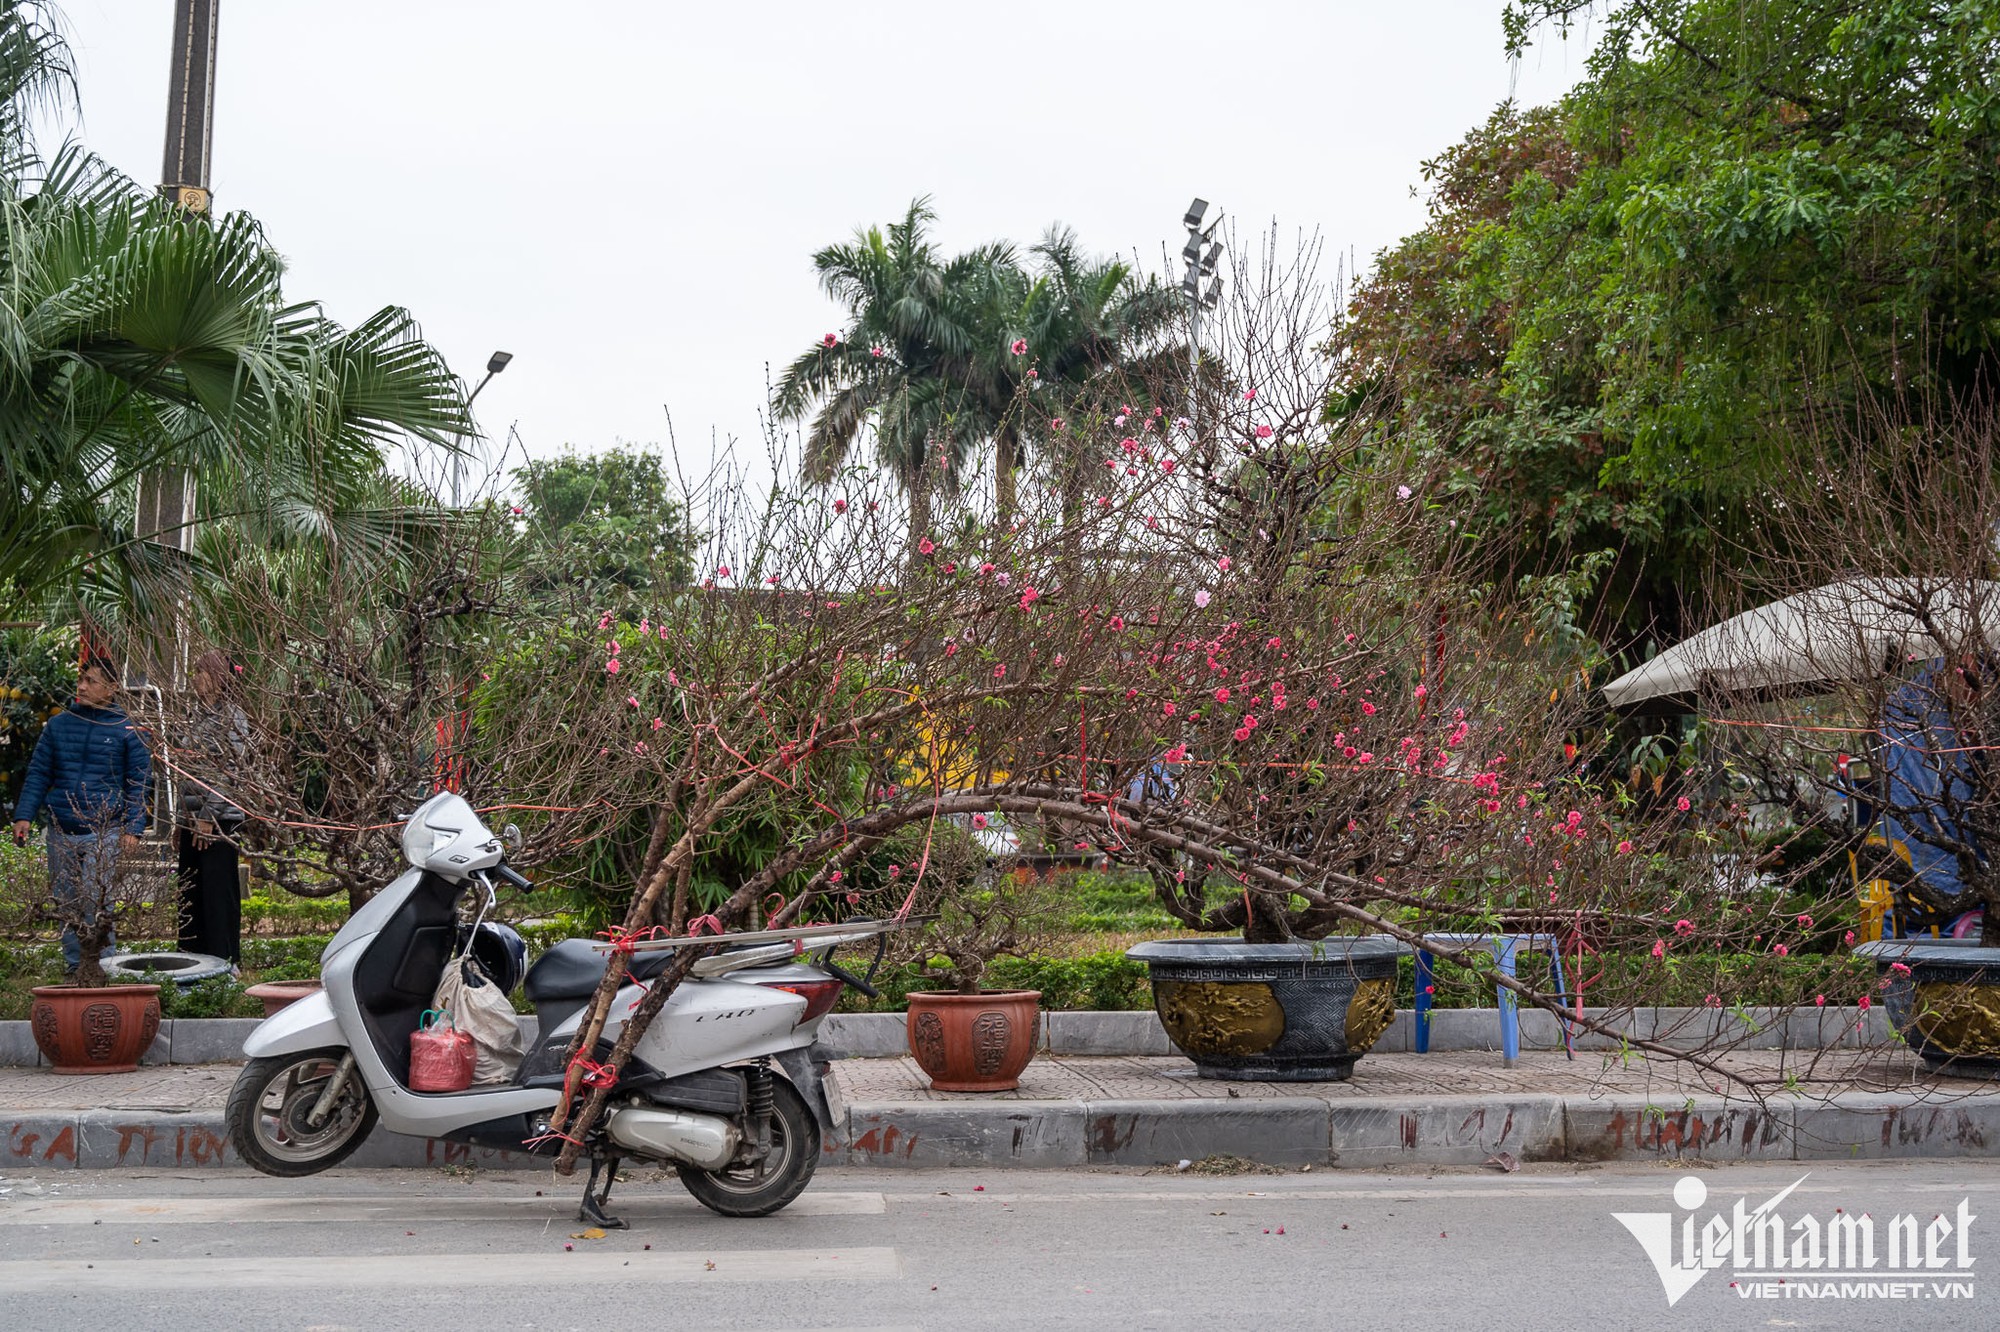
440	1055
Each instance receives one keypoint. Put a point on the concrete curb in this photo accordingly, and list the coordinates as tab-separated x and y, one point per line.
181	1041
1365	1133
199	1139
881	1035
1451	1130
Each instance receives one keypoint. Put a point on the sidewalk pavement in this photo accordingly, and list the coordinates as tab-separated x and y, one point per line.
1441	1109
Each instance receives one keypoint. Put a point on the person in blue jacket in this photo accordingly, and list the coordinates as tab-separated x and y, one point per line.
89	771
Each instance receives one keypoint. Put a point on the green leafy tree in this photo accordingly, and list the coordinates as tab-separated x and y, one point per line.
602	520
1625	308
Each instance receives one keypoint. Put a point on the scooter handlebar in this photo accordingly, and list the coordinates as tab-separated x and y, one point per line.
508	874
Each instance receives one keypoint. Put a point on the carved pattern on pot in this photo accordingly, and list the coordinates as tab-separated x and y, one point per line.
991	1033
1960	1020
1212	1018
149	1027
100	1031
928	1035
1369	1013
45	1030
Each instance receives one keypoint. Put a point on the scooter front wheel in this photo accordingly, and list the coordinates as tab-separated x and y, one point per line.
761	1189
270	1114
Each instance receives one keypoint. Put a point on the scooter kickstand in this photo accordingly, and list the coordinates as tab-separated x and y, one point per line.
592	1212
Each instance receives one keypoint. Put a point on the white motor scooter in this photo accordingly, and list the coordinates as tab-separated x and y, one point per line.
719	1086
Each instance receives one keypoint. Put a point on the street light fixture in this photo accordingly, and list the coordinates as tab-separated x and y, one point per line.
494	365
1199	266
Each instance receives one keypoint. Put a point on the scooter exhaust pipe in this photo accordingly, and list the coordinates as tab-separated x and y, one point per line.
708	1141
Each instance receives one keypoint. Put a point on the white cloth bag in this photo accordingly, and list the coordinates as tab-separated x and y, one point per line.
479	1009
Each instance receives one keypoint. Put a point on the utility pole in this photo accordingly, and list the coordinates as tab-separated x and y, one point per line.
166	494
184	169
165	512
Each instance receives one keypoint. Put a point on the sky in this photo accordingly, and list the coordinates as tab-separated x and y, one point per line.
626	194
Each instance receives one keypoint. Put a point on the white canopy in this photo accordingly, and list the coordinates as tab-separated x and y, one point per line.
1844	631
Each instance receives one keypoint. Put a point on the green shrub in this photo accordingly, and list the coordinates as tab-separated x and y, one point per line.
216	997
1099	981
1114	902
267	956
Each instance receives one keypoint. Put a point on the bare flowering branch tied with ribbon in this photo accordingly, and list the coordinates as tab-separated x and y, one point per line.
1257	657
1244	655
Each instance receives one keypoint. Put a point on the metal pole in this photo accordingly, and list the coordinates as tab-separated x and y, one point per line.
1194	347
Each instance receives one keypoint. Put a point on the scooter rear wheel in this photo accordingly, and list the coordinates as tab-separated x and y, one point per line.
269	1108
761	1189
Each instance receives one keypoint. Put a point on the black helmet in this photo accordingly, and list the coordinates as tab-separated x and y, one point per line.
501	953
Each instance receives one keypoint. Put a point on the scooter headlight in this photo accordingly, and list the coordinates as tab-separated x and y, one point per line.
421	841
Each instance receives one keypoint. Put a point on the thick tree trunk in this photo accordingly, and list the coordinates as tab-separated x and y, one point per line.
1006	462
920	516
1073	516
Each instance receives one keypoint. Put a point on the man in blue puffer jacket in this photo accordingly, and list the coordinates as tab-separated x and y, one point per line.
89	771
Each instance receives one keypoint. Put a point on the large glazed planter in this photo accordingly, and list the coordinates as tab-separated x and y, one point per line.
974	1042
1288	1012
1946	1005
100	1029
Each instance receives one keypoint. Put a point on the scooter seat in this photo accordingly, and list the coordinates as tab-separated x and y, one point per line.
572	969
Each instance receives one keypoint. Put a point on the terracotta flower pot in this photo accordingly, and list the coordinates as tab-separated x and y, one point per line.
974	1042
101	1029
276	994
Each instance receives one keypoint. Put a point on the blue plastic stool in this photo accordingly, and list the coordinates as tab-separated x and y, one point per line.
1506	948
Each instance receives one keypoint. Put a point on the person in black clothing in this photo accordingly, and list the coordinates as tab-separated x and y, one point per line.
209	763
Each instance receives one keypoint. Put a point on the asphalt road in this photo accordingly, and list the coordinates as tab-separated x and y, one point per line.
432	1250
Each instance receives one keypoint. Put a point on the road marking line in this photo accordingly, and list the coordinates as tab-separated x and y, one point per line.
1502	1188
430	1208
448	1270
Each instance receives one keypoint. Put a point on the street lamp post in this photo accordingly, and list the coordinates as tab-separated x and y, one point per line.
1201	254
494	365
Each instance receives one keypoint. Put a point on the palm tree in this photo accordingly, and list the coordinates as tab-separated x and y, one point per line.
905	365
1092	328
135	336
